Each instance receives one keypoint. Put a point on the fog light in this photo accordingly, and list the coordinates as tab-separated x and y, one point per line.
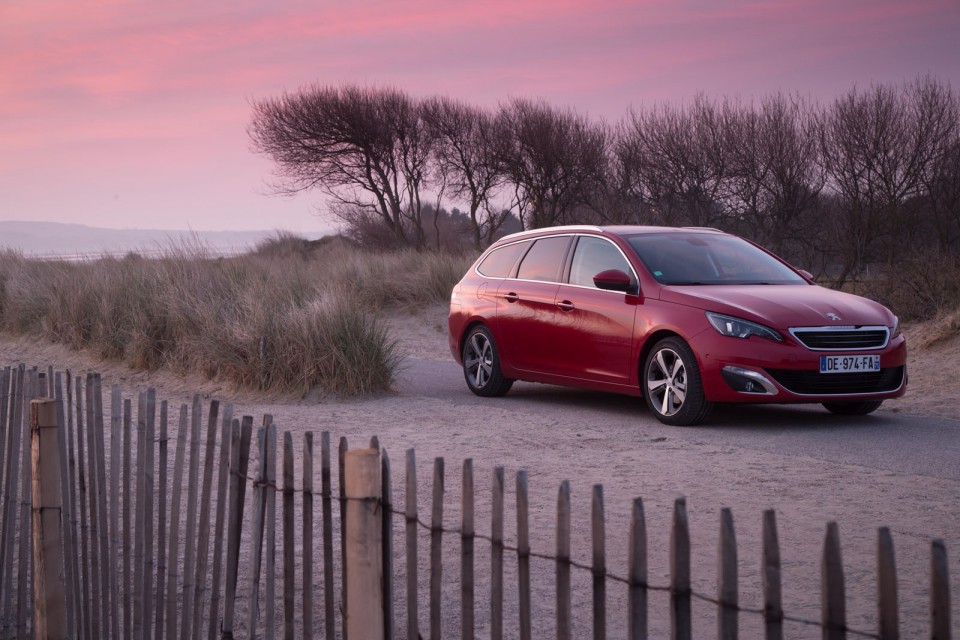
747	381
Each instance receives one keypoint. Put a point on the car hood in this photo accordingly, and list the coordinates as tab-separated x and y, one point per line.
782	306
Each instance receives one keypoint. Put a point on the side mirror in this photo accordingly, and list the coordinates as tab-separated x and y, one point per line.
806	274
613	280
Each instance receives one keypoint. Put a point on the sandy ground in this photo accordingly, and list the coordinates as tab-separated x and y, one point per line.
628	461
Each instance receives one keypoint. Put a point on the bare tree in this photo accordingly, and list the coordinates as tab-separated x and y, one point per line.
877	146
554	160
366	148
680	161
776	176
465	153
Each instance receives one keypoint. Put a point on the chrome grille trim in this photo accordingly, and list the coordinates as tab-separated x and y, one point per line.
845	338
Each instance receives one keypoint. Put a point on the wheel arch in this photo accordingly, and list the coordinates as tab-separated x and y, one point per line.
648	345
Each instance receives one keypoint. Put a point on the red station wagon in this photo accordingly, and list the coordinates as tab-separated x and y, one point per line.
686	317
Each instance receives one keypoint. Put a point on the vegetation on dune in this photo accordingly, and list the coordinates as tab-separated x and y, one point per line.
290	316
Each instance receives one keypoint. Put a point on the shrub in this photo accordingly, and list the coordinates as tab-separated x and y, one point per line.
290	316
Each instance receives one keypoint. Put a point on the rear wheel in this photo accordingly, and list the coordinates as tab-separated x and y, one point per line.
481	364
853	408
672	386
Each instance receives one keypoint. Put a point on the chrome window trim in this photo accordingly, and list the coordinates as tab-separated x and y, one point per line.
883	328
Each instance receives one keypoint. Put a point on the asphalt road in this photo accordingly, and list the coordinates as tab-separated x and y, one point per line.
887	440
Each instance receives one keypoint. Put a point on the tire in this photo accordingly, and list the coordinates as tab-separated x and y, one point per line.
853	408
481	364
672	386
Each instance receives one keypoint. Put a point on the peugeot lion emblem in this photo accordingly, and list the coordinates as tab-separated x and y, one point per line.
833	316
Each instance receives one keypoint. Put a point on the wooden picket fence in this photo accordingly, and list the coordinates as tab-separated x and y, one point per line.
99	539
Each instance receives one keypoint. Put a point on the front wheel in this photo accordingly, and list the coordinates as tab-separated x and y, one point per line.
672	386
853	408
481	364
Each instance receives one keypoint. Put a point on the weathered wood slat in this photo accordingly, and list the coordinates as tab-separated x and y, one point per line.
173	557
86	544
289	564
599	565
467	531
239	461
770	577
939	592
128	507
888	609
564	598
727	585
523	554
116	420
411	518
387	533
93	497
190	549
833	594
203	542
223	477
257	529
326	497
69	540
162	547
270	518
436	550
496	557
341	454
680	573
307	535
148	509
4	431
637	574
106	595
9	526
25	572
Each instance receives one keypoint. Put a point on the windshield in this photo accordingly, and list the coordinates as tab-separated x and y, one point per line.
702	258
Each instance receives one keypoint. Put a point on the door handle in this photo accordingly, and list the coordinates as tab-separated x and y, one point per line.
511	297
565	305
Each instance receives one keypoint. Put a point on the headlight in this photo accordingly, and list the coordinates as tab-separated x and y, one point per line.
739	328
896	327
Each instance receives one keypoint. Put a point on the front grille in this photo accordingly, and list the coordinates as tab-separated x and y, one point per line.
814	383
847	339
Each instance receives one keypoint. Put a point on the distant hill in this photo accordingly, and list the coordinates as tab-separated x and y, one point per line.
58	239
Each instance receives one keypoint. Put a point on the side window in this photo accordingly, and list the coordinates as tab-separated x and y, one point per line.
592	256
544	260
499	262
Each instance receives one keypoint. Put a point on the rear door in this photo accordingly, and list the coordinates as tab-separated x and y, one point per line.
526	307
595	327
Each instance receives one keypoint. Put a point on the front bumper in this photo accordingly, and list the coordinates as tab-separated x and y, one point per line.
760	370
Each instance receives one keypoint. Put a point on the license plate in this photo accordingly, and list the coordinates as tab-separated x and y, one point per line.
849	364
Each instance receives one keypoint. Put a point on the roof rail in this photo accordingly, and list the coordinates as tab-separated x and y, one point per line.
704	229
561	228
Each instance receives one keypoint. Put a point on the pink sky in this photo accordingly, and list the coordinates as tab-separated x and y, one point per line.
134	114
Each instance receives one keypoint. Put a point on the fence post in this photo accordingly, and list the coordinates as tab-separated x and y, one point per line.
834	612
48	591
939	592
362	537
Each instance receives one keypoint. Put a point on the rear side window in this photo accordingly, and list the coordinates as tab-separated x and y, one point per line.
499	262
544	260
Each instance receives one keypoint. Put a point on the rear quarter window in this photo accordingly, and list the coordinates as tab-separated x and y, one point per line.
499	262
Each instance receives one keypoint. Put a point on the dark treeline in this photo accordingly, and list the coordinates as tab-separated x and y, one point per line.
866	187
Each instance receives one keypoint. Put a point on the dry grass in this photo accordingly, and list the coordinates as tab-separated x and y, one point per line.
291	316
